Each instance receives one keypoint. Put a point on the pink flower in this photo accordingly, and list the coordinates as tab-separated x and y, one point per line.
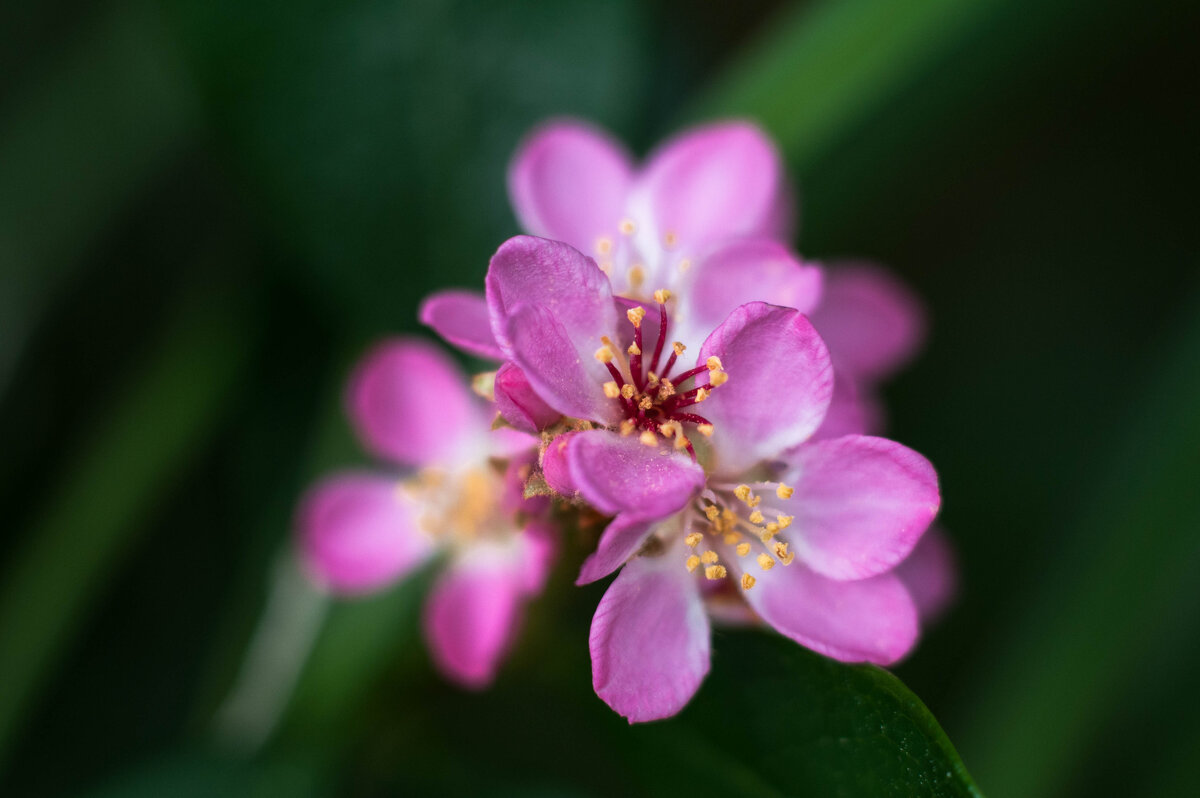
364	531
809	532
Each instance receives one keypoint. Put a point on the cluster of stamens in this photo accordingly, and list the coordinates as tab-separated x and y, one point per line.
653	402
459	506
620	258
728	526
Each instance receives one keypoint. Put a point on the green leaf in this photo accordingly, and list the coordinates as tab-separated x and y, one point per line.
91	519
203	775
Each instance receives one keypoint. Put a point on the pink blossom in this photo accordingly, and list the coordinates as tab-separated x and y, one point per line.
729	494
361	531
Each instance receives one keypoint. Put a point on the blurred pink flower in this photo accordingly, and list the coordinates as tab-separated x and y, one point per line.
364	531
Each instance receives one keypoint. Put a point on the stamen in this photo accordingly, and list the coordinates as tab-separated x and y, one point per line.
742	492
484	385
635	316
670	239
705	429
766	535
713	363
684	265
743	549
627	426
637	276
783	491
756	517
634	349
709	557
661	296
627	227
732	537
604	354
678	347
765	562
713	512
627	391
718	378
785	520
692	563
604	245
649	438
693	540
748	581
715	572
611	390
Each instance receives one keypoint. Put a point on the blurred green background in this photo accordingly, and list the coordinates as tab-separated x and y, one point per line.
209	207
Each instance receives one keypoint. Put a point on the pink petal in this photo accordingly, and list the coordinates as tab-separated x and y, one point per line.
472	614
620	474
519	403
357	534
711	184
555	468
568	381
860	505
931	574
872	323
538	550
650	640
867	620
852	410
461	317
569	182
752	270
512	499
780	385
620	541
409	403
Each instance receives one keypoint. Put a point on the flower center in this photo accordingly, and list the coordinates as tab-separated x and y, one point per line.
461	506
652	401
632	254
736	522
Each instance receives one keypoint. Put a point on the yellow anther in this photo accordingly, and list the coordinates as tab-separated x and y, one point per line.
791	555
645	403
484	385
705	429
661	296
693	540
715	572
605	355
709	557
754	501
732	537
765	562
718	378
742	491
635	316
636	275
651	379
728	516
668	429
782	491
627	391
766	535
681	442
713	512
713	363
678	347
692	563
781	549
702	394
634	349
743	549
684	265
627	227
756	517
772	527
666	390
604	245
611	390
748	581
649	438
785	520
670	239
626	427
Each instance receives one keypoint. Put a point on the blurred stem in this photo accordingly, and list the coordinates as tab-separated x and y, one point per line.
826	66
1106	606
165	414
77	143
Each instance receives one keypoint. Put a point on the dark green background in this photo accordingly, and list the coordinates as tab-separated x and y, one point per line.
208	207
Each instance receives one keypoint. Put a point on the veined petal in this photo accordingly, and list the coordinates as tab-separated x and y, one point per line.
409	403
528	271
568	381
749	270
620	474
931	574
650	640
461	317
569	182
780	384
871	322
357	533
711	184
472	614
519	403
620	541
867	620
861	504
